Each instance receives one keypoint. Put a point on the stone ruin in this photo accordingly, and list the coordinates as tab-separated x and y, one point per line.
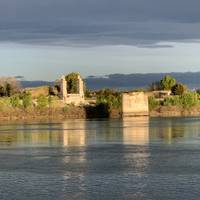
135	104
72	98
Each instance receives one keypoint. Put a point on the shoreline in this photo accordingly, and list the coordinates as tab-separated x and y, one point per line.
91	113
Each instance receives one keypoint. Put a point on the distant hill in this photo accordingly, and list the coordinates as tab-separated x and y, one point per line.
26	84
129	81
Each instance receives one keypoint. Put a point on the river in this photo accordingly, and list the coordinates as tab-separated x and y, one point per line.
134	158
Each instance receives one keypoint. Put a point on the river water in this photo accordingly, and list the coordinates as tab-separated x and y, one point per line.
134	158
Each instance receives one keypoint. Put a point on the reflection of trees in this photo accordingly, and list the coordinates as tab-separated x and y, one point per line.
136	130
171	128
68	133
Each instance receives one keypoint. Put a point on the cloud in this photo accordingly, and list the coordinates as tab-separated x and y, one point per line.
93	22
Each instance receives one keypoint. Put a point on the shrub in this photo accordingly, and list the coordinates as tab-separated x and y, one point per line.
42	102
4	103
168	82
110	99
15	101
66	108
189	99
26	100
179	89
153	103
50	100
172	101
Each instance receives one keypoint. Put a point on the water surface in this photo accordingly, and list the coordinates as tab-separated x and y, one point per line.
134	158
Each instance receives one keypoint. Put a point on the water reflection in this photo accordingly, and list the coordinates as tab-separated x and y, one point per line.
127	157
136	130
132	131
74	135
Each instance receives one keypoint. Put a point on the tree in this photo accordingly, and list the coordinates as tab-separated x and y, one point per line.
179	89
9	86
72	84
168	82
109	98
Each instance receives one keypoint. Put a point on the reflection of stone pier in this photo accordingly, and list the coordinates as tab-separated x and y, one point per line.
74	134
136	130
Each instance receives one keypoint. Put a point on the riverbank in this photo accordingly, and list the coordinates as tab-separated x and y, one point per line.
175	111
58	113
89	112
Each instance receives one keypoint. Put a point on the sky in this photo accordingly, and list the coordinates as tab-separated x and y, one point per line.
43	39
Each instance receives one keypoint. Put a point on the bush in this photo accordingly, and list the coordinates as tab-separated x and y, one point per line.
26	100
110	99
189	99
172	101
66	108
168	82
186	100
42	102
179	89
50	100
153	103
4	103
15	101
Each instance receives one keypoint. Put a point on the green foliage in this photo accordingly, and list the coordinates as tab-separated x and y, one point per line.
186	100
42	102
110	99
168	82
15	101
66	108
4	103
172	101
189	99
179	89
50	100
153	103
72	83
26	100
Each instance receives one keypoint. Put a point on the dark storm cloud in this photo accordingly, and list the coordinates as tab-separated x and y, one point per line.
99	22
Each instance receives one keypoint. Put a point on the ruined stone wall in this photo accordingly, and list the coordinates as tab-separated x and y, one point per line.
135	104
75	99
